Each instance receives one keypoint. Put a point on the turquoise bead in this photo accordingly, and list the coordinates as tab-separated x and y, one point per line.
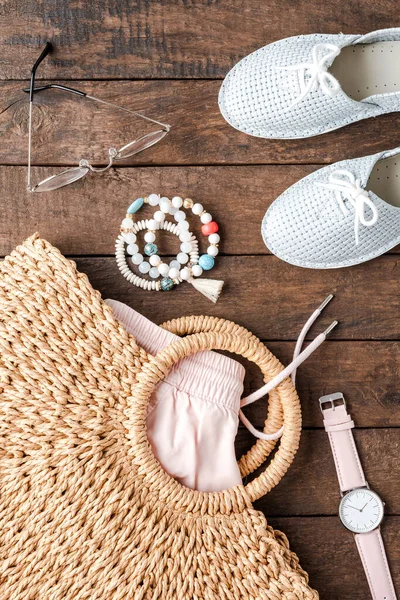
206	261
150	249
166	284
135	206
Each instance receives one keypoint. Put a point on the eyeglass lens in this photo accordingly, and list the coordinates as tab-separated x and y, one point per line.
64	178
141	144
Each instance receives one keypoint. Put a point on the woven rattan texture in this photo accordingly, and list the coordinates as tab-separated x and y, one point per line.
305	226
257	97
86	511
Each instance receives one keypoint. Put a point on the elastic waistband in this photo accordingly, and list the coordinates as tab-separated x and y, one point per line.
208	375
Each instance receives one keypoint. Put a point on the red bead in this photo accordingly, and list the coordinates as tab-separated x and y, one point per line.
209	228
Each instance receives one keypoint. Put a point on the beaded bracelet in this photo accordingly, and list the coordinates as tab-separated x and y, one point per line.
129	239
188	266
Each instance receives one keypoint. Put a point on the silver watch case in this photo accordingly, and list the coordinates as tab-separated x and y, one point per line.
345	498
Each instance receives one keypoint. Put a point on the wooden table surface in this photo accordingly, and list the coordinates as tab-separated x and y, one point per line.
168	59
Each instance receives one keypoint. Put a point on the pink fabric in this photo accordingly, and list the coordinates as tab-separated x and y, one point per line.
193	414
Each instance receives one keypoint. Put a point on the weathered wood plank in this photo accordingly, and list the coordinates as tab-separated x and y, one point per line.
310	486
85	217
200	38
367	373
68	128
329	554
278	309
273	299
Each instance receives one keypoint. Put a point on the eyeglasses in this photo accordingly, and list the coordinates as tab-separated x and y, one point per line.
74	173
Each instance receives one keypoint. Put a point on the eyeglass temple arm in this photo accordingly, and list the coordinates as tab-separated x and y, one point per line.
64	88
46	50
57	86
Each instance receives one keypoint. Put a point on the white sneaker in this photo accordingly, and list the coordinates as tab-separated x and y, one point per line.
340	215
310	84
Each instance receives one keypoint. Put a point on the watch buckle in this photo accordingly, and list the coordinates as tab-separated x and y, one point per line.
332	400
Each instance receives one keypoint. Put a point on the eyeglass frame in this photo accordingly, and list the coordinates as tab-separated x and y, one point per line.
114	154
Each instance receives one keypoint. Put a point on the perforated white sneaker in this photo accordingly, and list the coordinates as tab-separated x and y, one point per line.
340	215
306	85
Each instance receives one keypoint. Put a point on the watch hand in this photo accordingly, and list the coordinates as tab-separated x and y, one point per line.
355	508
365	505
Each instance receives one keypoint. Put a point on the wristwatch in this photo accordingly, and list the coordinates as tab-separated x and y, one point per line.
361	509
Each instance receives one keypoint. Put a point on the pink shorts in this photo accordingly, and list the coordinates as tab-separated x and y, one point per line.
193	414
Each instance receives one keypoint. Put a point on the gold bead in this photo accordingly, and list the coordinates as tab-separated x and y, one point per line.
188	203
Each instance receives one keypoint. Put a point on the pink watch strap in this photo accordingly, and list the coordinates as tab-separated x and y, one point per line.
373	556
338	424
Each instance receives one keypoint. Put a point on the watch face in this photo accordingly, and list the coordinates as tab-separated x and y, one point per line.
361	510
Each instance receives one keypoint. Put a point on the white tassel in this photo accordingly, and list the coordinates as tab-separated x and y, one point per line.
210	288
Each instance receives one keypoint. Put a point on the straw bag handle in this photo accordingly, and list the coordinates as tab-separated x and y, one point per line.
283	405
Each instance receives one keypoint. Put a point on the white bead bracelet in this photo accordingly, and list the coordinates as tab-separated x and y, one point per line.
187	266
128	240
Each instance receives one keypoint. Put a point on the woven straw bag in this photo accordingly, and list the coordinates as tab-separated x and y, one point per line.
86	511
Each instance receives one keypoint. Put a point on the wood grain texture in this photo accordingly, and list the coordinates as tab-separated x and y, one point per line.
67	128
271	298
85	217
179	38
310	487
367	373
328	552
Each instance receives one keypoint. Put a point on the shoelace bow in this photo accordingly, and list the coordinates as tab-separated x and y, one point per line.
317	72
347	186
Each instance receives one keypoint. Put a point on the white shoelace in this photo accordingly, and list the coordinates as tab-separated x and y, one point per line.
346	185
290	370
317	72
